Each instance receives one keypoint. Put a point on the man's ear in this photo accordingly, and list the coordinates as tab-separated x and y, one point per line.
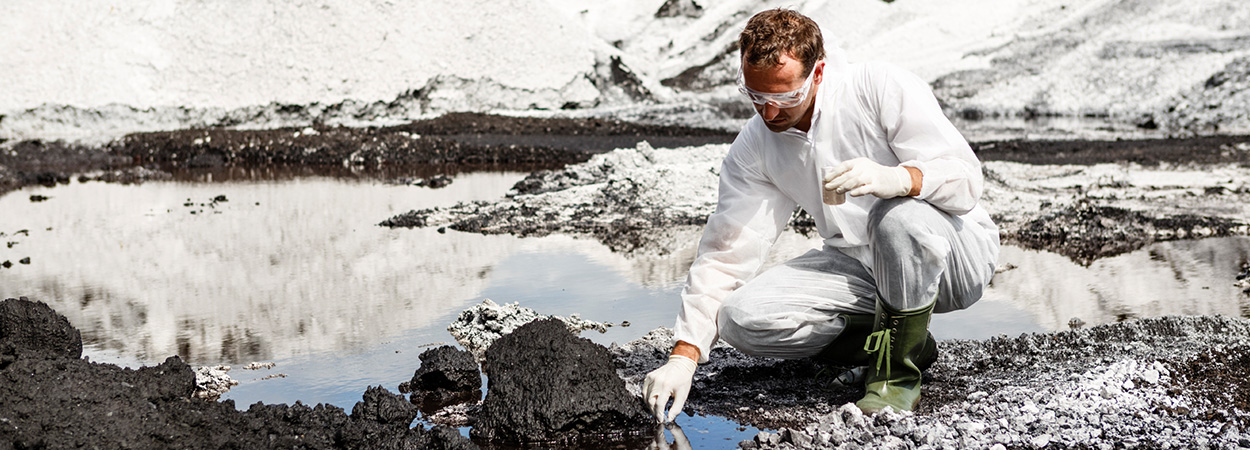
820	72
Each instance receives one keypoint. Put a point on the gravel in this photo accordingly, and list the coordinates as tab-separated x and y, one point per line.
1119	385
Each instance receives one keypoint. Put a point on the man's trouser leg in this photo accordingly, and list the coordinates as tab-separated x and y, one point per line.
796	309
923	259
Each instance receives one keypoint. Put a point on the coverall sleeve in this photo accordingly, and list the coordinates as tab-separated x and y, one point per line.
922	137
750	214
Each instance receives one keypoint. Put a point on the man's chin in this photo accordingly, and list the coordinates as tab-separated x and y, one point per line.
778	127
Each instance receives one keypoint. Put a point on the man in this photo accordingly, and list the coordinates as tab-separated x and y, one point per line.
909	239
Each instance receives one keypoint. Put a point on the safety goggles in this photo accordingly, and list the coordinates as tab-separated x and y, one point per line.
779	99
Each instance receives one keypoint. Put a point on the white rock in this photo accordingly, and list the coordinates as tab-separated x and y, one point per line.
1109	392
480	325
211	382
1029	408
971	427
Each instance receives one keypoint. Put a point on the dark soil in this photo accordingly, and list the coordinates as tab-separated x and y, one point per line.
1147	152
460	139
453	143
28	328
1221	379
1087	232
550	386
483	141
447	376
50	398
49	163
1084	231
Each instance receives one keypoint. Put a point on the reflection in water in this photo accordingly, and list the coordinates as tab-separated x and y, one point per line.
660	442
275	269
1170	278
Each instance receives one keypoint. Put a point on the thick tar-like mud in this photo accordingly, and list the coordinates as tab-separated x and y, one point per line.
51	398
1085	232
548	385
460	139
447	376
1149	152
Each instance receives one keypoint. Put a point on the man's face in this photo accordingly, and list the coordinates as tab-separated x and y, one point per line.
785	77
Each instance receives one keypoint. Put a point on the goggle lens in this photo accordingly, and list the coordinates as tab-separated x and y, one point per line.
779	99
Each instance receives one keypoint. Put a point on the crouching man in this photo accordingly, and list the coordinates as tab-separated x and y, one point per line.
893	189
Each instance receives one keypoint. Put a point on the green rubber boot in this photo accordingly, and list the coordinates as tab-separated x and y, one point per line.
847	350
903	348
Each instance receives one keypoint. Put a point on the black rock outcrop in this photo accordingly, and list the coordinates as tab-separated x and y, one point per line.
34	328
548	385
447	376
50	397
381	406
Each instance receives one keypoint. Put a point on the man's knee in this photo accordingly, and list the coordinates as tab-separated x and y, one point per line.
738	325
730	320
898	215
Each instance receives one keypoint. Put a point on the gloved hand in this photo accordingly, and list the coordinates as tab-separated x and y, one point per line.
862	176
673	379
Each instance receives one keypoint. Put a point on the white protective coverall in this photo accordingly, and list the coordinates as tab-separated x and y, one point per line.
873	110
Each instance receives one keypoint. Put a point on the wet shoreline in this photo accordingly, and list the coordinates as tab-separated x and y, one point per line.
463	140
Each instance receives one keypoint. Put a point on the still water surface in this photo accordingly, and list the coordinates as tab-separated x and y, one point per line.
293	270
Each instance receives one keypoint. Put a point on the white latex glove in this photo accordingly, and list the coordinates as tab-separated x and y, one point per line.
863	176
673	379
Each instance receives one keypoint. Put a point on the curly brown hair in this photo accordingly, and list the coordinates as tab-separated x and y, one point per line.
772	33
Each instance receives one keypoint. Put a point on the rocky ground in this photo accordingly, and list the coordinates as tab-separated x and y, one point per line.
1171	382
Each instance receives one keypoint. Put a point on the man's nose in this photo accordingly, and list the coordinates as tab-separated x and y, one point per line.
770	111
